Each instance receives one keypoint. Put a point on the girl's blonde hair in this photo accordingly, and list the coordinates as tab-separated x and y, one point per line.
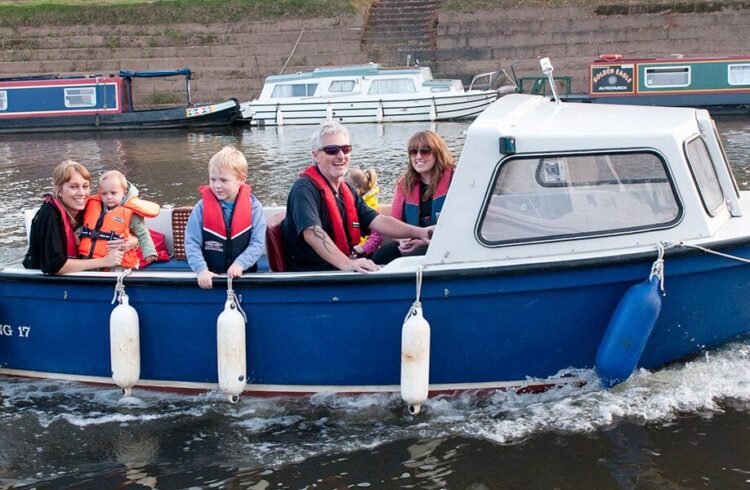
362	180
64	172
116	175
443	161
230	159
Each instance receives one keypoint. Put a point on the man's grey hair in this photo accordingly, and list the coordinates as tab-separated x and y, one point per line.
326	128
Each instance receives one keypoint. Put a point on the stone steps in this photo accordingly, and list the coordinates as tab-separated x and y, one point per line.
402	25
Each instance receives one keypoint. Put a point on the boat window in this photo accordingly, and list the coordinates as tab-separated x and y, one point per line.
435	90
554	197
80	97
726	159
702	168
669	76
294	90
392	86
341	86
3	100
739	74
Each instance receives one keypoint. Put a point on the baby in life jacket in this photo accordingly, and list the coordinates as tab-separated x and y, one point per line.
117	213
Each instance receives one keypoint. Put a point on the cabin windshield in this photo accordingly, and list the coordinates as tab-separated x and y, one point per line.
702	168
392	86
341	86
568	196
294	90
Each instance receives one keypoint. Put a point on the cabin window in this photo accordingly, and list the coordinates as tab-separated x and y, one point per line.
436	90
392	86
702	168
80	97
341	86
668	76
739	74
294	90
3	100
546	198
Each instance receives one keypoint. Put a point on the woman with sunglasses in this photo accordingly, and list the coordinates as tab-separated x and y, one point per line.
420	192
53	245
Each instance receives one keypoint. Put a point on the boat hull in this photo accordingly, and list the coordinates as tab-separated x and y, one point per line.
492	327
221	114
466	105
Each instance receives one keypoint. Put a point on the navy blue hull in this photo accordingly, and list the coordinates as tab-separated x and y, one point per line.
494	325
171	118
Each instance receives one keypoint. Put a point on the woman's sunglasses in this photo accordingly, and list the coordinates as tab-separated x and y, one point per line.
334	149
421	151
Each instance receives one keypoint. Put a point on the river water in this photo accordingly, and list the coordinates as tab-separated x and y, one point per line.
684	426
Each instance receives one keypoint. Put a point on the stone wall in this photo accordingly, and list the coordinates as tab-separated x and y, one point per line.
230	60
573	37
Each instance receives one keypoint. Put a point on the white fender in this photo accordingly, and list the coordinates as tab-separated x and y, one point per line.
124	345
279	116
433	110
379	113
230	351
415	359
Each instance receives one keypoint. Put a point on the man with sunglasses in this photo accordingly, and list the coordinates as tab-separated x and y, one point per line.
325	216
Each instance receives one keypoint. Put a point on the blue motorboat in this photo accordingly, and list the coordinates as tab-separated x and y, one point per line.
563	225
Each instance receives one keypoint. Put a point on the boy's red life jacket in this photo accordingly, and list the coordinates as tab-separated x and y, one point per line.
70	239
99	227
347	238
221	248
411	204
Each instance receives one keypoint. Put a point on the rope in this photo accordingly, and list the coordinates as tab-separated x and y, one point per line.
657	269
233	298
120	287
707	250
417	304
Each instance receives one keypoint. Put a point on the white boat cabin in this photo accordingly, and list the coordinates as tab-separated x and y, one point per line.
357	80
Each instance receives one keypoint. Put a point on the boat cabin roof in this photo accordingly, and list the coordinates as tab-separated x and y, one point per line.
544	181
368	70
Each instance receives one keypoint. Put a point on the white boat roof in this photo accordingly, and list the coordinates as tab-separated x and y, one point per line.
368	70
542	128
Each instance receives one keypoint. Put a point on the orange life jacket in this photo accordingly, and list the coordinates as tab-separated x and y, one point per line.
101	226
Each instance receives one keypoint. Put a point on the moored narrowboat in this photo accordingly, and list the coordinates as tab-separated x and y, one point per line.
98	102
720	84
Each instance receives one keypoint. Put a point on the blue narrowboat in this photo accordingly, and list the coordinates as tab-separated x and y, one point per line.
720	84
98	102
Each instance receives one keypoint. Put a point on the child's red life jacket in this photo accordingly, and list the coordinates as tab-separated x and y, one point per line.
100	227
221	246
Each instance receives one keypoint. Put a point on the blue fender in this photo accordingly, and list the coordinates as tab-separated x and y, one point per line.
628	332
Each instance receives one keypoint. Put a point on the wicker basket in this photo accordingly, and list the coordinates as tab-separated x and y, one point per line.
179	222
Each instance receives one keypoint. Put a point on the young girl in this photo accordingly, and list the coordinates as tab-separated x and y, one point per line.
114	214
366	184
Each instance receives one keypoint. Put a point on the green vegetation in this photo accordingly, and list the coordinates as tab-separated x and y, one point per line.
76	12
606	7
162	98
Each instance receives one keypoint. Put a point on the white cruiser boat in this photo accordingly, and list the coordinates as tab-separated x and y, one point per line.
367	94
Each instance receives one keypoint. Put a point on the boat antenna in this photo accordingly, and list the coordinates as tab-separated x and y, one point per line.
547	69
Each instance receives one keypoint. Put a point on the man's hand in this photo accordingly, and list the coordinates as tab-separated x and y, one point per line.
362	265
205	279
408	245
